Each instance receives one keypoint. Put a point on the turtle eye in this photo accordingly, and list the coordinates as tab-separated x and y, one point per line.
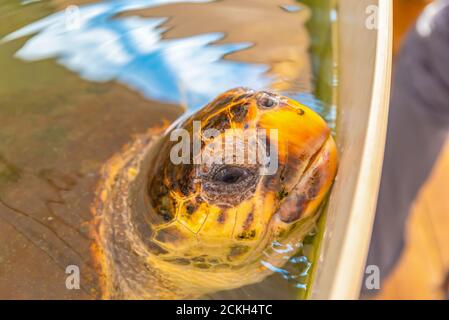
228	185
230	175
267	100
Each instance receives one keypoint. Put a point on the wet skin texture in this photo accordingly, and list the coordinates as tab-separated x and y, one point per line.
166	230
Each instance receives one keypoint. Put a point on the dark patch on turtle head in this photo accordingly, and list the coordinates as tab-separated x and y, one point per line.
191	208
202	265
170	235
155	249
315	185
248	221
247	235
239	112
294	213
219	122
237	251
221	217
178	261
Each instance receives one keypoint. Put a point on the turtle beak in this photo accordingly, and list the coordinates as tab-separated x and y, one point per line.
301	133
313	186
307	157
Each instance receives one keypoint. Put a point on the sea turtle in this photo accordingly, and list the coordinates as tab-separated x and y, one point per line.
168	229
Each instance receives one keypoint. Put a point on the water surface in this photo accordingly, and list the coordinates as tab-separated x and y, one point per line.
80	78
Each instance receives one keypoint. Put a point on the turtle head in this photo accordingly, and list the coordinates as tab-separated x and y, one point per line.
241	176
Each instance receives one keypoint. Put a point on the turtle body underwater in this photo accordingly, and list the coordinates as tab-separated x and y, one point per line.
169	229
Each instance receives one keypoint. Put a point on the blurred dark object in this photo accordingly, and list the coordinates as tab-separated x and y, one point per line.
418	127
405	13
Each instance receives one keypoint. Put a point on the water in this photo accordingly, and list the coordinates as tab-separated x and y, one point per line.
80	78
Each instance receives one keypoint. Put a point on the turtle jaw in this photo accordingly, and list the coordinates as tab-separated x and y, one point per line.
298	212
313	185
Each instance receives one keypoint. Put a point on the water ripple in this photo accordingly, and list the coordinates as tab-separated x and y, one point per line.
91	41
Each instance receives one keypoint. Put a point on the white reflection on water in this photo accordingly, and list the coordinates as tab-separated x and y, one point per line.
295	269
188	71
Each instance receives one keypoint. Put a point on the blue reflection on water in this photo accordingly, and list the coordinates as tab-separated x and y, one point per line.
284	273
295	269
90	41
